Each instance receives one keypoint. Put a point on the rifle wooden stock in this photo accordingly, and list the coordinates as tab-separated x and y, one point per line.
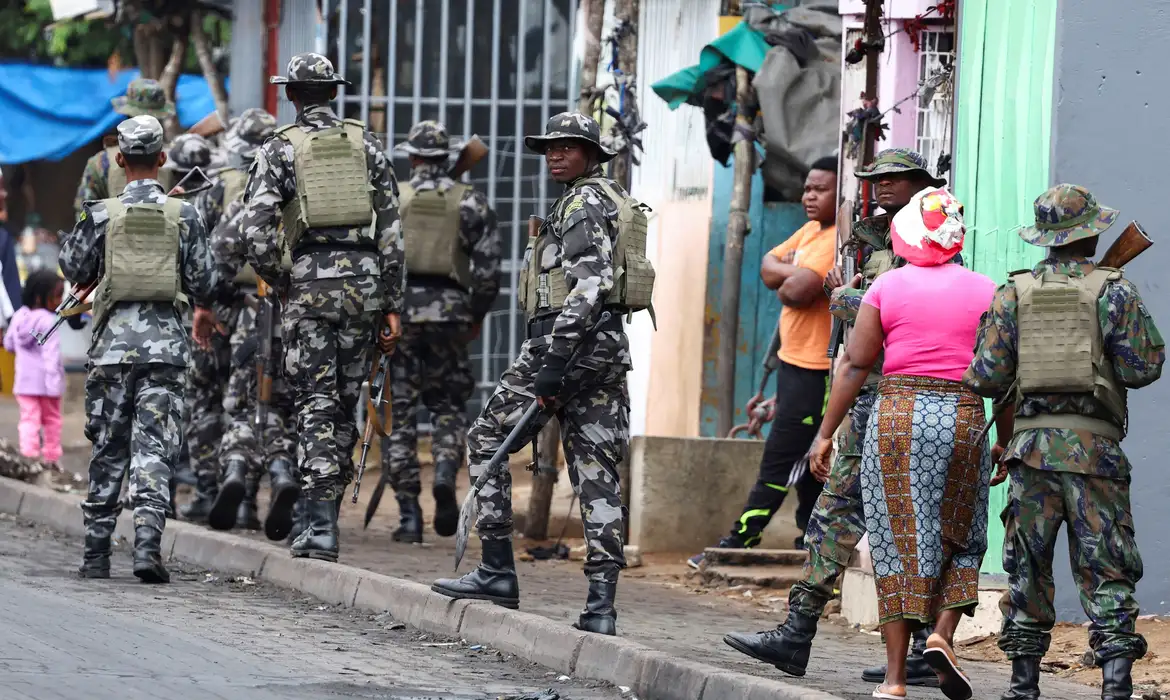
1132	242
473	151
534	224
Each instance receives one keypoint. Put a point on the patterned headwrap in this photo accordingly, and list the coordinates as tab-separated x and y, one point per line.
929	230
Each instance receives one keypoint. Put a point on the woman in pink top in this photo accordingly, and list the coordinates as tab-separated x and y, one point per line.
40	377
924	473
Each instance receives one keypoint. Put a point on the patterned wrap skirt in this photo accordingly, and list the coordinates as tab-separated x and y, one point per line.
924	483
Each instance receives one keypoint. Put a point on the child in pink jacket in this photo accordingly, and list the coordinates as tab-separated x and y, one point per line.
40	377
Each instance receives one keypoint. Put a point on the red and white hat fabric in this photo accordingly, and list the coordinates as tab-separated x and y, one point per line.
929	230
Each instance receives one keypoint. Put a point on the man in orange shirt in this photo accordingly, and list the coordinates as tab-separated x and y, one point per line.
796	269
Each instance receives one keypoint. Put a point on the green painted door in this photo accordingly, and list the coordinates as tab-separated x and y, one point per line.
1002	137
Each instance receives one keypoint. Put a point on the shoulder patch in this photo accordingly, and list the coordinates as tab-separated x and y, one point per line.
575	204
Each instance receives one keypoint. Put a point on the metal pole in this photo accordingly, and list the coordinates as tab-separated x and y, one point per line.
737	229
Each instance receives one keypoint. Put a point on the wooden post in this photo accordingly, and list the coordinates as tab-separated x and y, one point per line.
737	229
627	11
548	445
594	11
873	33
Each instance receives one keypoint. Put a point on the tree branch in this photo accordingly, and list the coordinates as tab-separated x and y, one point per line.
203	53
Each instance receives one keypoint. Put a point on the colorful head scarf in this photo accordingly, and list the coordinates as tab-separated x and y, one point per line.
929	230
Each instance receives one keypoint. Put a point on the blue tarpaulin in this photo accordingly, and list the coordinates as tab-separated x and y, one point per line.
47	112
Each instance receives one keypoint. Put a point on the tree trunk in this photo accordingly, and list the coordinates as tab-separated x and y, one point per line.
548	445
627	11
170	78
203	53
594	11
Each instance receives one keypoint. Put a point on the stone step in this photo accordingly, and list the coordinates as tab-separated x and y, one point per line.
762	576
715	556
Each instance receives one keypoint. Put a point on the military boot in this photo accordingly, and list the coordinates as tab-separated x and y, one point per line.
1025	683
300	520
493	580
410	521
599	616
247	516
148	564
285	492
206	491
1117	679
319	539
446	507
918	672
787	647
96	560
232	492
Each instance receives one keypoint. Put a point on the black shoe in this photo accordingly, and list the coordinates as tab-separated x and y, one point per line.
787	647
206	490
918	672
1025	683
226	509
148	565
248	514
285	491
1117	679
494	580
96	560
446	507
728	542
300	519
599	616
319	539
410	520
185	475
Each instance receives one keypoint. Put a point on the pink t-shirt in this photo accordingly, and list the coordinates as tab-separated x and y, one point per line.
930	316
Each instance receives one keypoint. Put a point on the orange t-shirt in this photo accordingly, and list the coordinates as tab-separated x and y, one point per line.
804	333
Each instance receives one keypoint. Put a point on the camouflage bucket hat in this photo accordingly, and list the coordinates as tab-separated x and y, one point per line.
1067	213
248	132
144	96
309	68
570	125
896	161
188	152
427	139
141	135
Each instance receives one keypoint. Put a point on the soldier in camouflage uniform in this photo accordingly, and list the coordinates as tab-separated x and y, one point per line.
332	183
837	522
143	97
135	388
453	268
1060	345
243	137
573	256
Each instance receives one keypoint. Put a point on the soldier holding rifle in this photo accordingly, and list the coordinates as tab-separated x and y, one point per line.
1059	347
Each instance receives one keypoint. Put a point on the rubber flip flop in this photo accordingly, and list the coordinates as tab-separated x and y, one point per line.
881	694
952	681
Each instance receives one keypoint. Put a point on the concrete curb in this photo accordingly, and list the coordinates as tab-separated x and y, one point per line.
654	675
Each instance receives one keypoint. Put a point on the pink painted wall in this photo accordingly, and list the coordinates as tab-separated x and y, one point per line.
892	9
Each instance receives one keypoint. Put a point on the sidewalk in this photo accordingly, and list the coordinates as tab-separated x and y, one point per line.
659	606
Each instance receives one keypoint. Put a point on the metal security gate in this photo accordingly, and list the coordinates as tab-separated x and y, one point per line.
497	68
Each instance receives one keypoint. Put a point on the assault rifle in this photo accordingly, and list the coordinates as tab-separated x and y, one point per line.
378	420
1132	242
75	302
471	153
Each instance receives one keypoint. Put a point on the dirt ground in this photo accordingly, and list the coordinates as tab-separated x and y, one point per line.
1070	642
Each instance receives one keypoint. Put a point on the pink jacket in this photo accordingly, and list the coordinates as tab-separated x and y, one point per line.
38	368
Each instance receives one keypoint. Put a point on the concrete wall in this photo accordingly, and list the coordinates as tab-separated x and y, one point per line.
1108	124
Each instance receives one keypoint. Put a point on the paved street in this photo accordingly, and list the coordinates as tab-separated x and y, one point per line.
210	637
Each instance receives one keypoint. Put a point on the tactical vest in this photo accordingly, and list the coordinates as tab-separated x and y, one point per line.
879	262
633	275
116	176
1062	351
333	180
141	256
234	181
431	223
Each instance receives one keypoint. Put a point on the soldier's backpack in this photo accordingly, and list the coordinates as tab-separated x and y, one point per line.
430	228
142	259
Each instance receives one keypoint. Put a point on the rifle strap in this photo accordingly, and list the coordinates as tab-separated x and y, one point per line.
76	310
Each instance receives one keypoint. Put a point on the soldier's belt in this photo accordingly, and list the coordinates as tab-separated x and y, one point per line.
543	325
308	248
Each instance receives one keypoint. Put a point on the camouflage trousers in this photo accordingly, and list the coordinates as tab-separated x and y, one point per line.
837	521
1106	564
430	368
133	418
239	405
205	417
326	361
594	412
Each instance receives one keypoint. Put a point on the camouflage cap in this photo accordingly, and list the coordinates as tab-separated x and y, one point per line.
897	161
428	139
188	151
248	132
309	68
570	125
141	135
144	96
1067	213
